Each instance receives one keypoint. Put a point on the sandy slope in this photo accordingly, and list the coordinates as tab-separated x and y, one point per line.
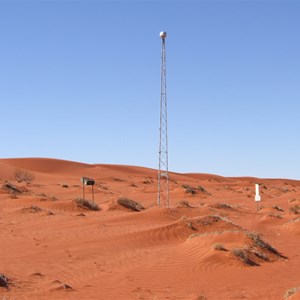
52	249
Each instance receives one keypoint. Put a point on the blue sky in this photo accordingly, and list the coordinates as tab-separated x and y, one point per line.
80	80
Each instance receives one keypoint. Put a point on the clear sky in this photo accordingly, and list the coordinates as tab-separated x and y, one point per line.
80	80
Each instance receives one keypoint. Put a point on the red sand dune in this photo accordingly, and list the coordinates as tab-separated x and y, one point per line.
212	244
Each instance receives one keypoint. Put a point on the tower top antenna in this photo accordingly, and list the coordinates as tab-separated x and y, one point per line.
163	34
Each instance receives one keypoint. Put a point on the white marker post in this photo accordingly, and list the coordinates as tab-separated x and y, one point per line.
257	196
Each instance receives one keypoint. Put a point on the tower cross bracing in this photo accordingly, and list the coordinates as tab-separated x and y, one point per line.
163	171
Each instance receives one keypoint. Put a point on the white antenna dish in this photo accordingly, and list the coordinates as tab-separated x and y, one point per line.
163	34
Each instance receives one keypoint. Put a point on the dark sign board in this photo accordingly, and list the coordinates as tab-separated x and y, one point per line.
87	181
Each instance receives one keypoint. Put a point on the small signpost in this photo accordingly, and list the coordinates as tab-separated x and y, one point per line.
87	181
257	196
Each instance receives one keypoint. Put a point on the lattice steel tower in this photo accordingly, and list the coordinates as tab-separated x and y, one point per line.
163	172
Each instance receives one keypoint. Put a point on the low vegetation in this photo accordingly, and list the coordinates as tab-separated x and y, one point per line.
53	198
22	175
119	179
33	209
278	208
295	209
223	206
148	180
219	247
185	203
191	226
86	204
12	189
4	281
193	190
261	255
291	292
130	204
243	255
258	242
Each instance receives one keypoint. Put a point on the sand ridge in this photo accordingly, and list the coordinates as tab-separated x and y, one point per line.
210	244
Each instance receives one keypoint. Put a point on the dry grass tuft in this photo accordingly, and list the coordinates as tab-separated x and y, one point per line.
130	204
291	292
86	204
295	209
185	203
11	188
34	208
223	206
194	190
278	208
191	226
261	255
23	175
260	243
31	209
219	247
243	255
4	281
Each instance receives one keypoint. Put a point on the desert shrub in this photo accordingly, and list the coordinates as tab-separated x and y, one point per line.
189	189
292	200
66	287
42	195
53	198
193	190
201	189
291	292
4	281
278	208
35	208
64	186
191	226
148	180
21	175
32	209
118	179
295	209
260	243
87	204
275	216
223	206
12	189
130	204
261	255
242	254
219	247
185	203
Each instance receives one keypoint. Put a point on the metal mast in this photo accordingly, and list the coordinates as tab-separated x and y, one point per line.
163	172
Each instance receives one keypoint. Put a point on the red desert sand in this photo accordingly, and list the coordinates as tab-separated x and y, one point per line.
210	244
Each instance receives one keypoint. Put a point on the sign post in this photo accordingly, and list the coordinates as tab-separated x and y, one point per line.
87	181
257	196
